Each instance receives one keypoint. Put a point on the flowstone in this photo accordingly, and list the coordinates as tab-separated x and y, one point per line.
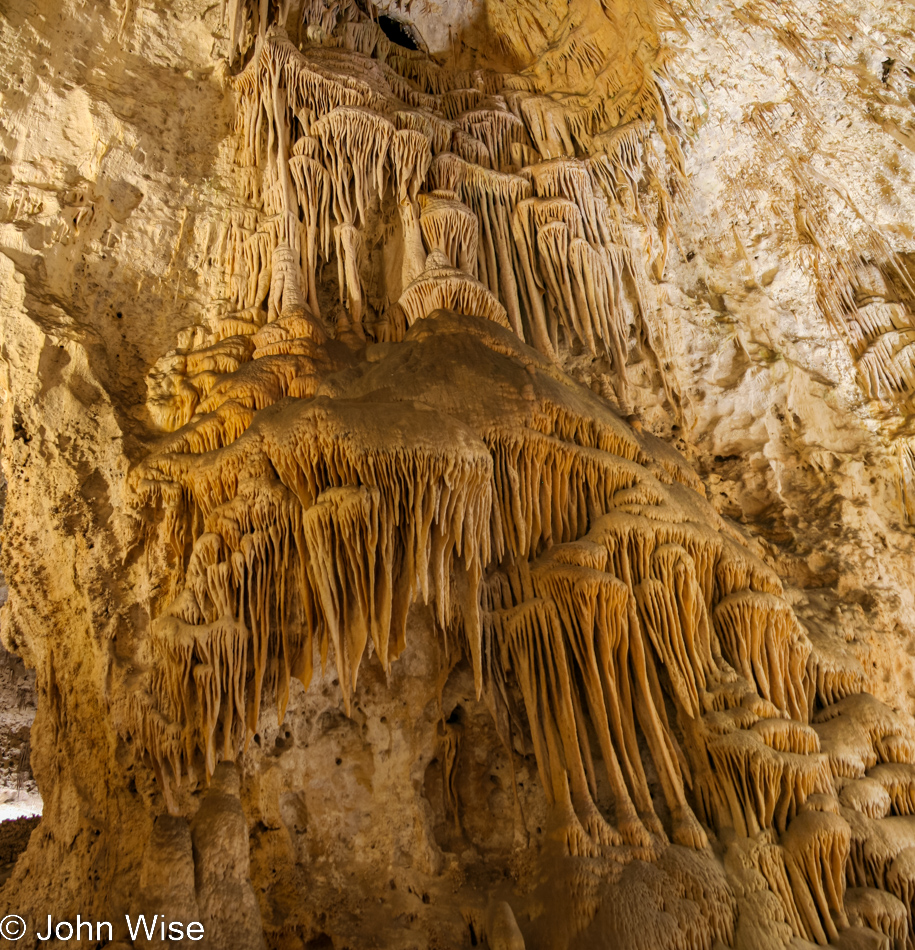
460	465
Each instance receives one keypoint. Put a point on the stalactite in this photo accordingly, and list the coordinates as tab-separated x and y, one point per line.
491	196
538	659
571	558
430	76
414	253
590	605
351	554
617	165
546	489
366	38
471	149
497	130
898	780
838	671
457	101
569	178
285	282
859	731
817	847
443	287
532	286
451	227
672	610
437	130
900	882
547	123
312	184
880	911
446	172
355	142
868	797
762	787
350	249
411	159
762	639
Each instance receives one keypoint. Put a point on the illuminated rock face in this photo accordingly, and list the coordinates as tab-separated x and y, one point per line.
460	472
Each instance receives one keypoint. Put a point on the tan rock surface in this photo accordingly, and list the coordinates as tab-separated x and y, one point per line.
462	495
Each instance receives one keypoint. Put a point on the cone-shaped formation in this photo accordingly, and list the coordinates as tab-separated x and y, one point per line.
443	287
451	227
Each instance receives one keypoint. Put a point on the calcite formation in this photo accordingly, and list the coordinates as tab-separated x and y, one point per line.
460	470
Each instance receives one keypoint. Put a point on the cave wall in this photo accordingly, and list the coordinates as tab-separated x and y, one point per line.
758	190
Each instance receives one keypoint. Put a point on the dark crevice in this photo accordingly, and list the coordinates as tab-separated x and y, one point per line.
399	32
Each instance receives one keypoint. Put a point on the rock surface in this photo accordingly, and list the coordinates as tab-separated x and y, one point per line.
461	475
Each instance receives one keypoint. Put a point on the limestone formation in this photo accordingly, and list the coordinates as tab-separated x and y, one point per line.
461	470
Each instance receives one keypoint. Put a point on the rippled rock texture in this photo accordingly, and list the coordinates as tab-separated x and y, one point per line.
461	471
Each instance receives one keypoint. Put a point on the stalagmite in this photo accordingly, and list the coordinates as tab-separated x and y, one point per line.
501	929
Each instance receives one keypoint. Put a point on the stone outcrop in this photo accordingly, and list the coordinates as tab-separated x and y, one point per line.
460	470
